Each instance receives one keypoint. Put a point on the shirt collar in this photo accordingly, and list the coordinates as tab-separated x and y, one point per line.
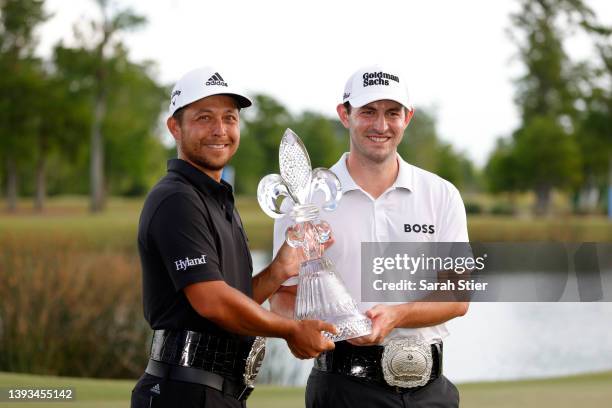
201	180
404	177
340	170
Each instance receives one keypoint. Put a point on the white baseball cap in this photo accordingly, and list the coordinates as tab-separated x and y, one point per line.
200	83
375	83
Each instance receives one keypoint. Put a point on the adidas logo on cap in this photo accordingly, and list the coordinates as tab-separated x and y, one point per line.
201	83
216	79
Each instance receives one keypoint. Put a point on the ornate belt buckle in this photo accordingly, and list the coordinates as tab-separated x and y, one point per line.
254	360
407	362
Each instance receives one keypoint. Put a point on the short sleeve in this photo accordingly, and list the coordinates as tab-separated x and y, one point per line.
454	225
184	240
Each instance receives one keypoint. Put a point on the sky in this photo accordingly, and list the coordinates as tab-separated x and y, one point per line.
457	56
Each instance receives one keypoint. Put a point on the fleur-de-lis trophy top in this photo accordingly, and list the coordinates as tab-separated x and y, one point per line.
298	182
321	293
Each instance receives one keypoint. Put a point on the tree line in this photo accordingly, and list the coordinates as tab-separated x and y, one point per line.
82	120
88	119
564	140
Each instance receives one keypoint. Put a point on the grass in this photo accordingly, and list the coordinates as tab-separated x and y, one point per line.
116	227
486	228
585	391
67	271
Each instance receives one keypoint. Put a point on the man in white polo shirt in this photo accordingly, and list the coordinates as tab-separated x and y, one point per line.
385	200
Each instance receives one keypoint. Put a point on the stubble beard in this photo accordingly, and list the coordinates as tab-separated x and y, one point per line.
206	164
202	161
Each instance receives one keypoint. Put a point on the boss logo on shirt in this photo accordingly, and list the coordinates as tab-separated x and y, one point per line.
183	264
422	228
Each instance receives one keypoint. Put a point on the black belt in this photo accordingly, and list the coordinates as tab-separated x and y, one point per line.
197	376
201	358
363	362
221	355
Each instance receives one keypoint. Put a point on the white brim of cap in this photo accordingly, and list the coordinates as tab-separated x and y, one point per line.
362	100
243	101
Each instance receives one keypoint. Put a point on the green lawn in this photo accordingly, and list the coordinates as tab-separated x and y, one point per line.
585	391
67	226
116	227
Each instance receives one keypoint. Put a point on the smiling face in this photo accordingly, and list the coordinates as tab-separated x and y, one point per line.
375	129
208	133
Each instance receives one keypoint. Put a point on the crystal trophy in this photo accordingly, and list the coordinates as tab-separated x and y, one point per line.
321	293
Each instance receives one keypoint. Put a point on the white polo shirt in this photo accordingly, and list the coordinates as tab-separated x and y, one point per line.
429	204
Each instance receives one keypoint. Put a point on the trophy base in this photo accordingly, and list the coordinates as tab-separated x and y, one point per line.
355	326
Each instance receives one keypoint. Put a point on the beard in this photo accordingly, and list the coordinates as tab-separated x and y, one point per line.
193	153
206	163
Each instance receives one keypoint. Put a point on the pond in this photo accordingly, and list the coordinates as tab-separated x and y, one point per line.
495	341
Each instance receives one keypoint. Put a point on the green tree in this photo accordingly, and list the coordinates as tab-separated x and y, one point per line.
53	124
135	156
263	128
544	152
420	142
321	138
544	89
263	125
502	168
594	124
549	158
104	52
19	72
422	147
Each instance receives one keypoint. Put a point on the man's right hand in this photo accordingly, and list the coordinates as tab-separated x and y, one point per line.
306	339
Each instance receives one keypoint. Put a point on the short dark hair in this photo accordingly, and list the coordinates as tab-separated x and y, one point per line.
178	115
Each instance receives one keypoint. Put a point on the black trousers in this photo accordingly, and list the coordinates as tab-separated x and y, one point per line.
156	392
337	391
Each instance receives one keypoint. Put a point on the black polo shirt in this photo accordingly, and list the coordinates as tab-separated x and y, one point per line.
189	232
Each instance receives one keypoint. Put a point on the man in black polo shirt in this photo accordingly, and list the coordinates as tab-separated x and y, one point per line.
199	294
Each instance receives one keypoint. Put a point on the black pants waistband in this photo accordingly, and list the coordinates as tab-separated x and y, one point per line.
192	375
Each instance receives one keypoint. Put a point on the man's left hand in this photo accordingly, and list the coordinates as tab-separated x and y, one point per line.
384	318
287	262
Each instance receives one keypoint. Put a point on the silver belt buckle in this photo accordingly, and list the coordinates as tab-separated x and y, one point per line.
254	360
407	362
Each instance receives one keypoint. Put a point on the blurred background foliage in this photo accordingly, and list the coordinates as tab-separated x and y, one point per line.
91	110
89	121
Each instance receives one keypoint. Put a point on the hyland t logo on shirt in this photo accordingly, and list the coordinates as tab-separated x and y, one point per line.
183	264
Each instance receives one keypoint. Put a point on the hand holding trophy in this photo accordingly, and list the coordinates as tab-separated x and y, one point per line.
321	293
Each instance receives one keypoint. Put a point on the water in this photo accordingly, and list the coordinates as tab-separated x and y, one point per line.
495	341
